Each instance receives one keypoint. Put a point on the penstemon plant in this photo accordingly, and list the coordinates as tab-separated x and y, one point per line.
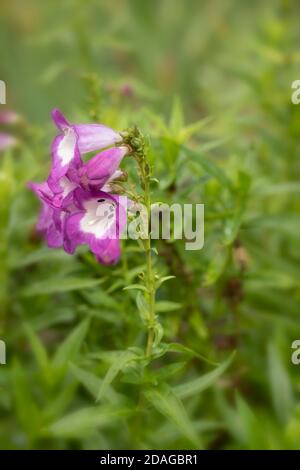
127	342
89	199
79	205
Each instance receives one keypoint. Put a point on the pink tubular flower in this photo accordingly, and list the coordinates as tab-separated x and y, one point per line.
74	141
77	207
98	223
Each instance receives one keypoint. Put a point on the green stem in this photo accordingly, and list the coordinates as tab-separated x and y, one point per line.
150	282
151	297
137	145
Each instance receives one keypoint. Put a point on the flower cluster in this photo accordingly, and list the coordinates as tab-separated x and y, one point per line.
78	206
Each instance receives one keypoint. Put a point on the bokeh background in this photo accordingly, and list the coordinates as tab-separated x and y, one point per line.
210	83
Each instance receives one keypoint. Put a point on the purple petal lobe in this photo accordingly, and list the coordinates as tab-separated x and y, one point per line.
65	155
48	228
51	219
92	137
99	224
59	120
101	168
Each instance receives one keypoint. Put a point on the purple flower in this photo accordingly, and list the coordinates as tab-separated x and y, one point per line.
74	141
99	222
77	207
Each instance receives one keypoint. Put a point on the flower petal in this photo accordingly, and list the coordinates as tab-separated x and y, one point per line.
92	137
99	169
50	225
42	191
99	224
59	120
55	200
65	155
107	187
53	234
51	220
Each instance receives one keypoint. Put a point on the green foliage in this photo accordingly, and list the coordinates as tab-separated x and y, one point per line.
209	86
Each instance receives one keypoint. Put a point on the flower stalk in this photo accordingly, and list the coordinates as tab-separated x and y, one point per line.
150	281
136	141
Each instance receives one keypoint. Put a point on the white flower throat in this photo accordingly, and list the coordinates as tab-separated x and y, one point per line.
99	218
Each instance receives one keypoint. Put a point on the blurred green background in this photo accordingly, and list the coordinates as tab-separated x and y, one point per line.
210	83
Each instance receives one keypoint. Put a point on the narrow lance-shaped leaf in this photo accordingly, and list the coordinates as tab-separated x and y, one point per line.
39	352
51	286
78	423
280	387
163	306
169	405
70	347
92	383
119	362
199	384
209	166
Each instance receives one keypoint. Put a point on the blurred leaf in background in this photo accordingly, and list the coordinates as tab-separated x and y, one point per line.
210	84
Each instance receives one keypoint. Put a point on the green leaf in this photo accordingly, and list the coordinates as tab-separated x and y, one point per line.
39	352
117	365
158	334
81	422
91	382
60	402
157	120
48	319
215	267
180	348
97	297
134	272
37	256
52	286
136	287
163	306
165	372
177	119
197	386
277	189
68	350
163	279
26	408
188	131
232	226
170	406
210	167
280	386
243	424
143	306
